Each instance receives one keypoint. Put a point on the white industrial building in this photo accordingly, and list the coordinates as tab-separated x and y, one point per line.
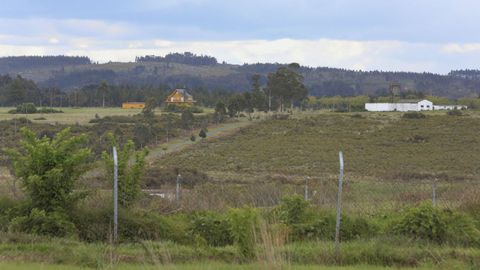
422	105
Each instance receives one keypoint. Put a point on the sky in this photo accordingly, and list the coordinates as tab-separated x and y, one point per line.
409	35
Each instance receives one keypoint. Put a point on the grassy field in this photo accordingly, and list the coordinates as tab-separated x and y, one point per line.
389	160
207	266
72	116
24	252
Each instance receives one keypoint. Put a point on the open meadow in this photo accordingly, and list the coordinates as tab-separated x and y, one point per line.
241	199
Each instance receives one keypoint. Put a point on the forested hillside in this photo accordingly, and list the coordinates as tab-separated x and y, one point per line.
192	71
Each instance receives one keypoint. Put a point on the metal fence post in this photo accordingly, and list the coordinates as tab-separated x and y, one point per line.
177	189
434	192
306	188
115	195
339	204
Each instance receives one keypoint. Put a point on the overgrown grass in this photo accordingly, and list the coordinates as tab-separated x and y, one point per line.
376	253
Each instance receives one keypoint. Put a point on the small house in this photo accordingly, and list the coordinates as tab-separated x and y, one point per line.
180	96
133	105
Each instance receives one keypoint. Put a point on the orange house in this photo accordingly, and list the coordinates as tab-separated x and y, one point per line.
180	96
133	105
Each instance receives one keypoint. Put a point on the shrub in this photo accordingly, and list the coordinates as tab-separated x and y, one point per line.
413	115
97	225
25	108
293	210
178	108
202	134
243	222
455	113
40	118
48	110
212	227
48	168
130	171
43	223
193	138
322	227
431	223
424	222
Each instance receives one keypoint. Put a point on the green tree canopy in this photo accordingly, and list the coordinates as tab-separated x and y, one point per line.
129	173
49	167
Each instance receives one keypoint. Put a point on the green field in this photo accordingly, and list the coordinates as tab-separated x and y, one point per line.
389	161
72	116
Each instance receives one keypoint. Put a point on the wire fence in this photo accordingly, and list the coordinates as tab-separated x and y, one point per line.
359	196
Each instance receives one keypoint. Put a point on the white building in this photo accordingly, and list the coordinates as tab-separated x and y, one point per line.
422	105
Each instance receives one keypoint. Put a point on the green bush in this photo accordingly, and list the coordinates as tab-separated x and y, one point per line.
43	223
322	227
178	108
48	110
293	210
455	113
424	222
212	227
414	115
437	225
6	205
25	108
243	222
97	225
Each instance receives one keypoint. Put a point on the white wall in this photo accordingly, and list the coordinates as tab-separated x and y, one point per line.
390	107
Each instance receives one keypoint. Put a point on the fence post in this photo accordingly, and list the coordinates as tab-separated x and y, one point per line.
434	192
339	204
115	195
306	188
177	189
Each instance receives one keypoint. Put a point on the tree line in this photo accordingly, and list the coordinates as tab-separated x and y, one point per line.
180	58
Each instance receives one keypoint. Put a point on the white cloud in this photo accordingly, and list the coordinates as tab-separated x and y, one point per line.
351	54
461	48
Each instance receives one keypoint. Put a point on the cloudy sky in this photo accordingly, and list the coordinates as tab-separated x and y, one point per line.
407	35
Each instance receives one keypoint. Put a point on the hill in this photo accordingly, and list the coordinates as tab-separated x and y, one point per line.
192	71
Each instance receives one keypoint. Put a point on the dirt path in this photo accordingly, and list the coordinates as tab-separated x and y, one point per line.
183	142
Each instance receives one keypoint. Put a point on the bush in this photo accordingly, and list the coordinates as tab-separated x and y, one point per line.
424	222
43	223
243	222
49	110
97	225
293	210
25	108
413	115
212	227
455	113
441	226
178	108
322	227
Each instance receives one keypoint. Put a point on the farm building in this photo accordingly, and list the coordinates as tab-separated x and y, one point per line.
133	105
180	96
421	105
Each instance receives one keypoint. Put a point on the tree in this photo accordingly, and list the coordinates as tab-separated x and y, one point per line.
49	167
187	119
202	134
130	171
235	104
149	109
286	85
103	89
220	111
258	98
